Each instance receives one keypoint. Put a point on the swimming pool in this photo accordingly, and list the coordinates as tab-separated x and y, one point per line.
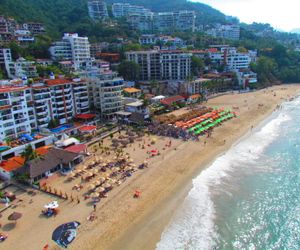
3	148
61	128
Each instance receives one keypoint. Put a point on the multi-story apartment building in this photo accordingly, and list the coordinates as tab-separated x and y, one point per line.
164	21
162	64
231	32
175	65
16	111
231	58
7	25
25	108
174	42
19	69
97	9
5	60
22	68
59	99
72	47
61	50
149	62
126	9
105	92
34	28
141	21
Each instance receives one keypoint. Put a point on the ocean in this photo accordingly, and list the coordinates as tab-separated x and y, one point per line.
249	197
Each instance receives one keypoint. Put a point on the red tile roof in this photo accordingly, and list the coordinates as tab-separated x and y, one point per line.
172	99
57	81
12	163
87	128
16	162
8	89
79	148
196	96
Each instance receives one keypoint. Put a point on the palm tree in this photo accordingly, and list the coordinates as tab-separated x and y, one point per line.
29	153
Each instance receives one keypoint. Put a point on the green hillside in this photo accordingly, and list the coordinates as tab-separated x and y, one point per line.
68	15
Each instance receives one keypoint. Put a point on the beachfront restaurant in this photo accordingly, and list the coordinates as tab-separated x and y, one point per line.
55	160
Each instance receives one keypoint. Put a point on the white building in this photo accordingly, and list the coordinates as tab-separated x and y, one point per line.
23	68
105	92
174	21
195	86
150	39
17	114
231	58
141	21
6	60
126	9
162	64
59	99
231	32
97	9
163	21
72	47
246	78
25	108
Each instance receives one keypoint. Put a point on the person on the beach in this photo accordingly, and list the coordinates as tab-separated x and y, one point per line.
94	206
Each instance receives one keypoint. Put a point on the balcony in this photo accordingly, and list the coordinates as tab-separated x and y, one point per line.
5	107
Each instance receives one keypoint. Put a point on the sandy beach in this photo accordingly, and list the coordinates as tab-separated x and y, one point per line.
127	223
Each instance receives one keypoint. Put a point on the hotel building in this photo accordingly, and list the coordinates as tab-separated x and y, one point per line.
72	47
162	64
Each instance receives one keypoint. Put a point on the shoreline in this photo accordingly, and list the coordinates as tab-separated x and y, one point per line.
159	221
132	224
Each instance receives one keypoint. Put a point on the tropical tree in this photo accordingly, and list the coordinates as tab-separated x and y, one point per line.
129	70
29	153
197	65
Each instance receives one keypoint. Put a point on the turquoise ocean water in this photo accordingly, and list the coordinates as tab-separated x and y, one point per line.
248	198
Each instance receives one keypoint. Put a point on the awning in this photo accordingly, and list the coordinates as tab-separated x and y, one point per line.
87	128
85	116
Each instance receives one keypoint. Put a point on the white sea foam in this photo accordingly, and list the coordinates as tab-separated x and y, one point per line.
192	226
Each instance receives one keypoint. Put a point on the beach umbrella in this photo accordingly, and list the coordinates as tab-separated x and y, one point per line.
52	205
107	185
116	169
91	186
95	171
106	175
15	216
72	175
101	179
97	183
100	189
111	182
65	234
95	195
